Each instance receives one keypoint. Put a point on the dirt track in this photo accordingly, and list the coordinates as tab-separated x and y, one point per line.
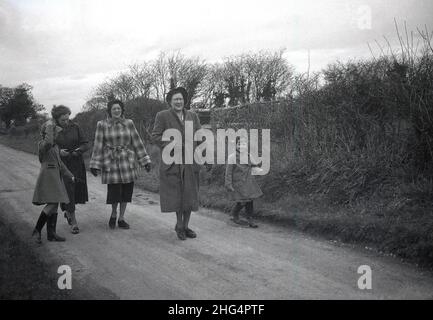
224	262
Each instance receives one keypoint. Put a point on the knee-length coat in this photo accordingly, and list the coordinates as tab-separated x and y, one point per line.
239	177
178	183
118	151
50	187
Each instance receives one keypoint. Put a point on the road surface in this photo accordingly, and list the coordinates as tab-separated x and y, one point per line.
223	262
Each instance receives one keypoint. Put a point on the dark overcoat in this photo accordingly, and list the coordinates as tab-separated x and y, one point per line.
50	187
179	183
71	138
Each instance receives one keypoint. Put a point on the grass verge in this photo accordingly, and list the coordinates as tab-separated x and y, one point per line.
402	231
22	275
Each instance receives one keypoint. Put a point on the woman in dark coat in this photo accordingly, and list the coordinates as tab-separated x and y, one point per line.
50	188
179	183
72	145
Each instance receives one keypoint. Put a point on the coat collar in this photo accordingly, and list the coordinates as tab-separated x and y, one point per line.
176	116
113	122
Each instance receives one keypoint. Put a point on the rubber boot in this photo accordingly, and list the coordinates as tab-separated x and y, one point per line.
235	214
249	210
39	225
51	228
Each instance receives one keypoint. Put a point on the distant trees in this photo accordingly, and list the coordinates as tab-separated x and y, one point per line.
263	76
17	105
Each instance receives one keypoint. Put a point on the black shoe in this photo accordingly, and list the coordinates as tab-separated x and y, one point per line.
75	229
68	218
240	222
251	224
122	224
51	229
181	234
38	236
190	234
112	222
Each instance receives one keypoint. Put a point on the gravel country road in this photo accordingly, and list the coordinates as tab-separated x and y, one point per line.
224	262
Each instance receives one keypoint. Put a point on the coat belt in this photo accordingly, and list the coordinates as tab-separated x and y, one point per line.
115	151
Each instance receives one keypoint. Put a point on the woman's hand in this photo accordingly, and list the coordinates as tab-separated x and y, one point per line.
94	171
64	153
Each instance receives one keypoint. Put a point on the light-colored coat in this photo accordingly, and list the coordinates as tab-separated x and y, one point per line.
118	151
50	187
240	178
179	183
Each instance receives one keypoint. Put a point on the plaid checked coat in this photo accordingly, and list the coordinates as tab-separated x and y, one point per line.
118	151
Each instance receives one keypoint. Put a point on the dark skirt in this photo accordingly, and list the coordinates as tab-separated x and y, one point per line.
78	169
119	192
77	192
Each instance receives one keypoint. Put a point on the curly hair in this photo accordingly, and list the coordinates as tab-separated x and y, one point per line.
59	111
111	103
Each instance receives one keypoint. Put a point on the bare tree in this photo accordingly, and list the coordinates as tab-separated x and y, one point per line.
142	78
160	76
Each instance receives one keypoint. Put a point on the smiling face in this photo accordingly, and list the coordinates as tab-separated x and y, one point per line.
116	111
177	102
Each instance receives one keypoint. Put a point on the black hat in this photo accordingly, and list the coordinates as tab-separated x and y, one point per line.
180	90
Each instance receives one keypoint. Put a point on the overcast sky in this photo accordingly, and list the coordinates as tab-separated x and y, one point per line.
65	47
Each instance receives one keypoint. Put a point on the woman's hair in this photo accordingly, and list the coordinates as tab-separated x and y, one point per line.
240	140
111	103
59	111
180	90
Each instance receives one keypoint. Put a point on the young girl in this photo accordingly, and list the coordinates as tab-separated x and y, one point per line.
50	187
241	185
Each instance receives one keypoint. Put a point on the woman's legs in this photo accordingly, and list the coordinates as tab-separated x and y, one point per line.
119	193
122	210
121	222
180	230
112	221
186	216
114	210
69	208
188	232
74	224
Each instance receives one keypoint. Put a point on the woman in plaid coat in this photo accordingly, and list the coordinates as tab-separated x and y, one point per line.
118	154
